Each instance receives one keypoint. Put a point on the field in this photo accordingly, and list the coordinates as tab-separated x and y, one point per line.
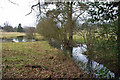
11	34
37	60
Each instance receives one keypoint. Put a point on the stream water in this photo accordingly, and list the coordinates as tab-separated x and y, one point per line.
93	68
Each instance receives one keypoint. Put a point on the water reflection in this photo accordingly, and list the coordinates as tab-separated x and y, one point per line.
88	65
18	39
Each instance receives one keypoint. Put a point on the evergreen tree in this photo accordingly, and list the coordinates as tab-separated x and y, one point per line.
20	29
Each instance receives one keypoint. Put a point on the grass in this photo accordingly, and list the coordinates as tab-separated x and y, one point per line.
37	60
78	39
11	34
38	37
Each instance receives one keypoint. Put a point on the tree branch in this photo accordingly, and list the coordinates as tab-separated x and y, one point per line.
32	8
79	15
13	2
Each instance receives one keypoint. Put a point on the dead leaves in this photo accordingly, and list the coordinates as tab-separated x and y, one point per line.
37	61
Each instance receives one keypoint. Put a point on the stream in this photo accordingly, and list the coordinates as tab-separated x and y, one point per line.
94	68
91	67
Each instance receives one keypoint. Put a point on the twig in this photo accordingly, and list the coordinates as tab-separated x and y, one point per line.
13	2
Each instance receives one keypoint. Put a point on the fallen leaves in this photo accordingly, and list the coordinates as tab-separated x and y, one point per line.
39	60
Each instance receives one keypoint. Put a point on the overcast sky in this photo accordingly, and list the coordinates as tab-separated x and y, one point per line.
15	14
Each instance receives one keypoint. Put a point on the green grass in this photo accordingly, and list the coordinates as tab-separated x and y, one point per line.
78	39
11	34
38	37
53	63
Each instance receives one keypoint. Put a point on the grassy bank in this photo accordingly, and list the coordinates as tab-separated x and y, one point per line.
11	34
37	60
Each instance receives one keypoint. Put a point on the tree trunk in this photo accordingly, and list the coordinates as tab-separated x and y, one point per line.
70	25
118	40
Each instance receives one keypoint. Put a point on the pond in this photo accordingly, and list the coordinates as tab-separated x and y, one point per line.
18	39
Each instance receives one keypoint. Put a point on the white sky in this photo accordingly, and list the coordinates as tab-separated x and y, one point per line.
15	14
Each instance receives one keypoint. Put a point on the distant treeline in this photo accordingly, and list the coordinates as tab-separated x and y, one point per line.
9	28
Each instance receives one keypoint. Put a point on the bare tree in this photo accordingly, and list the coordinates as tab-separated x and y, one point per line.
65	14
7	27
29	32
